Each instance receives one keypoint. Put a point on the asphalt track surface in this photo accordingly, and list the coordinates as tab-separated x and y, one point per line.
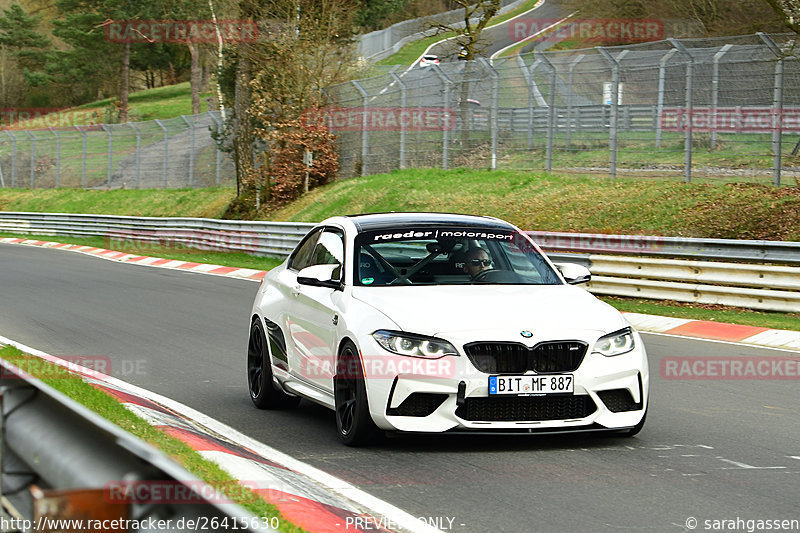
712	450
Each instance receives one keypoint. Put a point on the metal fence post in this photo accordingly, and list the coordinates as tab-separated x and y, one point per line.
364	123
777	109
166	150
403	103
662	71
612	130
570	96
551	110
33	155
493	111
528	74
83	157
191	150
13	158
58	155
715	92
110	153
216	145
687	145
138	152
445	110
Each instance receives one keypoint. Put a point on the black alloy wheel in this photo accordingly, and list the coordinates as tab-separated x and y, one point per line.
259	373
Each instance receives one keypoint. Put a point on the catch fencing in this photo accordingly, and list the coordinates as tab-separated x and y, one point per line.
168	153
719	108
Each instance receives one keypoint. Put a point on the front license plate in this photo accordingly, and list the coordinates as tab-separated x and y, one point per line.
539	384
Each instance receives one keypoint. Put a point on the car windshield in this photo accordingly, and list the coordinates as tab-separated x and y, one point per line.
438	255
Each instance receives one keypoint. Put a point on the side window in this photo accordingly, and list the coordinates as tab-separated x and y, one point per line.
301	257
329	250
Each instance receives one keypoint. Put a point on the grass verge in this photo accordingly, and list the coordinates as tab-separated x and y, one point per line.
201	203
537	200
106	406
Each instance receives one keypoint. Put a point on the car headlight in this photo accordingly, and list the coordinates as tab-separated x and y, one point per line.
413	345
616	343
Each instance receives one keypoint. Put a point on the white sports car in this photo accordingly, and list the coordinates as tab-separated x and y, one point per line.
432	322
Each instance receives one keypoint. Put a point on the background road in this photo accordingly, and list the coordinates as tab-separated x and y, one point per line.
710	449
499	36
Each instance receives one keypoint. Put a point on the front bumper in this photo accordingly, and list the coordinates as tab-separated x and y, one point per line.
609	393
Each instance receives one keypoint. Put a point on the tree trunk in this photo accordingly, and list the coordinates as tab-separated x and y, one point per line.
194	51
205	76
124	83
242	135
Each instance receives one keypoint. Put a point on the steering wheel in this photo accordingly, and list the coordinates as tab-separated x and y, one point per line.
481	276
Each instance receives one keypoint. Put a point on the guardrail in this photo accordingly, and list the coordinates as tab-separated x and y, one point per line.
61	461
765	287
253	237
773	286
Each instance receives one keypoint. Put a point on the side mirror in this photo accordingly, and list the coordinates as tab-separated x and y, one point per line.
320	276
573	273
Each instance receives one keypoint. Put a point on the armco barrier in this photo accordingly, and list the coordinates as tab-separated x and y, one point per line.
642	266
57	453
765	287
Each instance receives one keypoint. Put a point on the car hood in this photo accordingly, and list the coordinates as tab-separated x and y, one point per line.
481	309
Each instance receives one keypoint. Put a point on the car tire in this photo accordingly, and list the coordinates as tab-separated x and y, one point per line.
260	384
354	424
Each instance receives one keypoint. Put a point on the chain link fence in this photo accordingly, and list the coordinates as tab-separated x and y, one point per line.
721	108
169	153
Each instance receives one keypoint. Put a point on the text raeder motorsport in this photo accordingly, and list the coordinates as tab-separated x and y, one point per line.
433	234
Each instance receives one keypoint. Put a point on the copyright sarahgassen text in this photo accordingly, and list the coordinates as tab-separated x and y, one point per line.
743	524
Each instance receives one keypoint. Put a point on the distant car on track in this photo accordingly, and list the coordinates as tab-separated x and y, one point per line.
428	60
431	322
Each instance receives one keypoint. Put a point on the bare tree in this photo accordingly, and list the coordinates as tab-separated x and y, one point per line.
476	17
789	11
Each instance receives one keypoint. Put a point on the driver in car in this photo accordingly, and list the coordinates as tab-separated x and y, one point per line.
477	260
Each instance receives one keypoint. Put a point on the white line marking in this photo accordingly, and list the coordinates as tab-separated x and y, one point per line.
746	466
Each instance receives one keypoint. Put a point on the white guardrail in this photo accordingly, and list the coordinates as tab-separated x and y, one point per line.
641	266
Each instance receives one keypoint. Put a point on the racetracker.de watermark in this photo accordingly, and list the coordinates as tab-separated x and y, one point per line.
180	31
149	492
590	242
142	241
389	118
75	365
380	367
599	31
47	117
730	368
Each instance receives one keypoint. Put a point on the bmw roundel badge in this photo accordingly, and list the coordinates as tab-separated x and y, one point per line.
527	334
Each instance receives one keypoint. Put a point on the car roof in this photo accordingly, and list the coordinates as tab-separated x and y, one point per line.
378	221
